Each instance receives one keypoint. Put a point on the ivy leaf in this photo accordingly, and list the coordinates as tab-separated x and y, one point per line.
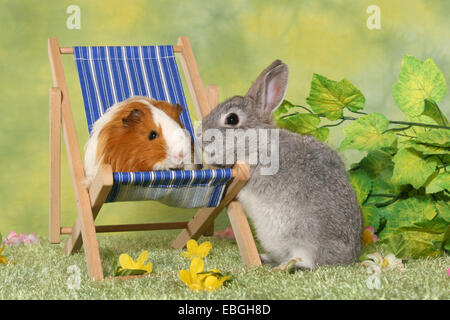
424	148
435	137
321	134
376	162
406	213
436	225
366	133
439	183
418	244
362	185
418	80
304	123
411	168
432	110
443	208
284	108
396	244
371	217
331	97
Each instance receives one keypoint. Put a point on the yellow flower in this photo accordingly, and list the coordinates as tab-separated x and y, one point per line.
197	280
368	236
195	250
2	258
191	278
127	263
213	283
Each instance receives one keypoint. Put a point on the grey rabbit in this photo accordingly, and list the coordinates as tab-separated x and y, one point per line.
306	214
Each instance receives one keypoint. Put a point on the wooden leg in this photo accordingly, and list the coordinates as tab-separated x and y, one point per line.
205	216
243	234
98	192
212	91
76	165
55	166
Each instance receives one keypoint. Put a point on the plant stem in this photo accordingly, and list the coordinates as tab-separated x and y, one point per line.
417	124
397	129
384	204
405	135
383	195
332	125
360	112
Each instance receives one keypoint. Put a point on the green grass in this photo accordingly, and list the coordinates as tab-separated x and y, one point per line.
40	272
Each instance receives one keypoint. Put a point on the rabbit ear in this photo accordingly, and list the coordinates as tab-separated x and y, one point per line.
270	87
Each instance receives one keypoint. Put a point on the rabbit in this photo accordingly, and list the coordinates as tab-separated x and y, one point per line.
306	215
138	134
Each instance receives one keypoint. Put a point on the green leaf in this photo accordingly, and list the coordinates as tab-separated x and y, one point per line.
362	185
418	80
419	244
376	162
129	272
396	244
284	108
371	217
436	225
435	137
432	110
304	123
406	213
330	97
366	133
441	182
411	168
321	134
443	208
425	149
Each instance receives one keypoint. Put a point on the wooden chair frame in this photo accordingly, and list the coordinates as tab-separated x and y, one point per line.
89	201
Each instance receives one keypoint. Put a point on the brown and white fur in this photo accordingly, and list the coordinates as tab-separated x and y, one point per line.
138	134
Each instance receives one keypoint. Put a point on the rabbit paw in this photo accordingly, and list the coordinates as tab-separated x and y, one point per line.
291	265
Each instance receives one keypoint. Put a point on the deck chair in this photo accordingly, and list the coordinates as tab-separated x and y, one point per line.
112	74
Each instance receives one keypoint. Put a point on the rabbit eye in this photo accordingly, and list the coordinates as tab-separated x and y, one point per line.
232	119
152	135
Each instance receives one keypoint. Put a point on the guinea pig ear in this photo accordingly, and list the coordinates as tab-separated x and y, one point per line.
178	108
133	117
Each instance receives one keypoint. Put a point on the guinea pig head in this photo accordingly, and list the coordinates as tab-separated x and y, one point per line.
144	135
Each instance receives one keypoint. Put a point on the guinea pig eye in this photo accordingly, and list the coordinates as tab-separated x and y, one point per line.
232	119
152	135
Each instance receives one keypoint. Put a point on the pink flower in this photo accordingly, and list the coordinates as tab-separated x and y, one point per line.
368	236
448	272
13	239
225	234
31	238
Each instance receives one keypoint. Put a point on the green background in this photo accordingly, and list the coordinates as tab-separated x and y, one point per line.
232	40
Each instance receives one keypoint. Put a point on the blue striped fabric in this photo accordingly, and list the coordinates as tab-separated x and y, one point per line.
109	75
189	188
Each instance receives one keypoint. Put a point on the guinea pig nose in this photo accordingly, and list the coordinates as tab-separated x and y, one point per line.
177	157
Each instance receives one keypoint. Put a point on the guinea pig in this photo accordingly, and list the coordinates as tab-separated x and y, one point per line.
138	134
